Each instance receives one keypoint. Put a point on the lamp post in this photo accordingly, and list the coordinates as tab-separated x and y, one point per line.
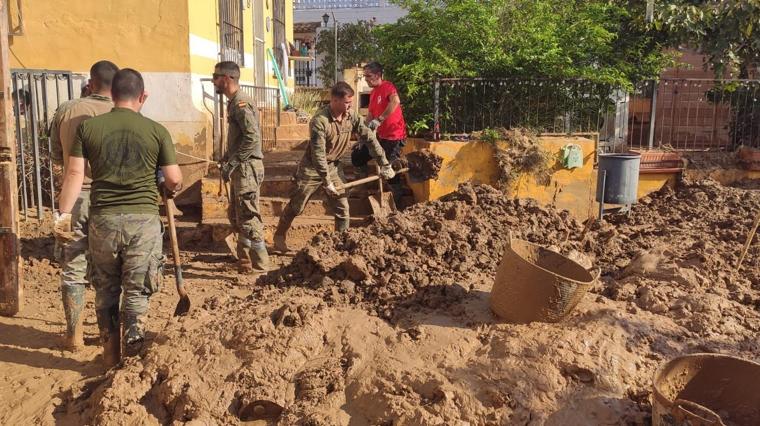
326	19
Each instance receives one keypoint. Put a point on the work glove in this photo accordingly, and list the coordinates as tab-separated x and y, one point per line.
62	228
387	172
374	124
226	169
161	183
330	189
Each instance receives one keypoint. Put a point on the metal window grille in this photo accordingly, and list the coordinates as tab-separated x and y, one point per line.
279	32
259	53
231	31
36	96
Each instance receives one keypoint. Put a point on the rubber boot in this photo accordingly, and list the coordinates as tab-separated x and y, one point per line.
73	305
280	234
110	337
134	336
244	257
259	257
341	225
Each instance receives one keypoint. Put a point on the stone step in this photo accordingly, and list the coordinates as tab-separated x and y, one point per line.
292	131
297	144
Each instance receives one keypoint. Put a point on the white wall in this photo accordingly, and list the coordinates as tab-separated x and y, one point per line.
384	15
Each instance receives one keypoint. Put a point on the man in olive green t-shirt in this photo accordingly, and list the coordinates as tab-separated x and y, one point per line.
124	150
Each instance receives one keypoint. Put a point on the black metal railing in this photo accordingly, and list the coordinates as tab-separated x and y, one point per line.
305	73
36	96
465	105
694	114
680	114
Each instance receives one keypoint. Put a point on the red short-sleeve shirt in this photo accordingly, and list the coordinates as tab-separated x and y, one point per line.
393	127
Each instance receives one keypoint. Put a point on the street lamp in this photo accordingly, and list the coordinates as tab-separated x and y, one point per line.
326	19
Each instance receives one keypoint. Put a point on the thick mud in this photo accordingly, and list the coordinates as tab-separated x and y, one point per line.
389	324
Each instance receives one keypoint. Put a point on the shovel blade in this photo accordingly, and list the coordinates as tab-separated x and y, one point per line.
231	241
384	208
183	306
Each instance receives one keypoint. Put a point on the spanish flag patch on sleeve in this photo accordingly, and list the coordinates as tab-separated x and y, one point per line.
242	104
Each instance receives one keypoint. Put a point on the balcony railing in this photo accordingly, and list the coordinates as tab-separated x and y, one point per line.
337	4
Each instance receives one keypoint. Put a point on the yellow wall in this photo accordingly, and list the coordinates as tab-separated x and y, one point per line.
72	35
474	162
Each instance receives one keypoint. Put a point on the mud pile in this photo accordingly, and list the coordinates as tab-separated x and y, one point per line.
675	255
313	347
427	254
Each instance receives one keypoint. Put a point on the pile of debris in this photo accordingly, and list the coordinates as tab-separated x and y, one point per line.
313	347
417	256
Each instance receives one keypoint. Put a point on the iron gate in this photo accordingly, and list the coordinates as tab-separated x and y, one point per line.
36	96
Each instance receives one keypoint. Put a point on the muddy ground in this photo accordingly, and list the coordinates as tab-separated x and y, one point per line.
389	324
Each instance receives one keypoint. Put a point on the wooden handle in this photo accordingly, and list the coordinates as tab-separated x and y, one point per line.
367	180
748	243
169	203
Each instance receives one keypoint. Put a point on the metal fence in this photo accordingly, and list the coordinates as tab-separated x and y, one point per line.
695	114
305	73
36	96
266	99
463	106
680	114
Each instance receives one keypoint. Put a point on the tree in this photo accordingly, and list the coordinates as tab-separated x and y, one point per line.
725	31
600	40
357	44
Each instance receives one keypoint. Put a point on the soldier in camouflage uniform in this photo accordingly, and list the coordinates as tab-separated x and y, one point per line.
72	253
124	150
243	167
330	137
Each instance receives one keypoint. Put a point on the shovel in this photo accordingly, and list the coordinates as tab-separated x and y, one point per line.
183	306
382	203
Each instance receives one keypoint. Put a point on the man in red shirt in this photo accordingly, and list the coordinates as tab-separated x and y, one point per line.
387	120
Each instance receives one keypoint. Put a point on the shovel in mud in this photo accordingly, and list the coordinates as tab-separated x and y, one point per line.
183	306
418	165
382	203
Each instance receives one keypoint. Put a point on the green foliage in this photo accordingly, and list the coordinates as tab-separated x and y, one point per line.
726	31
600	40
357	44
490	136
306	100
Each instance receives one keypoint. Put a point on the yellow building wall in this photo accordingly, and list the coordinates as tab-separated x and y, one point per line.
474	161
72	35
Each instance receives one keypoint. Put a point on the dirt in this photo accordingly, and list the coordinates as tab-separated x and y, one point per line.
389	324
518	152
423	165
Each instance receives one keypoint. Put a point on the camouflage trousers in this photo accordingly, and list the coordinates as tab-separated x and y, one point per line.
308	182
244	212
73	254
126	262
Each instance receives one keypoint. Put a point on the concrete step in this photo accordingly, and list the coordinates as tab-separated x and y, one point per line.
292	131
296	144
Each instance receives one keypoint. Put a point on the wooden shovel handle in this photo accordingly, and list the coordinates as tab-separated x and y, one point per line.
367	180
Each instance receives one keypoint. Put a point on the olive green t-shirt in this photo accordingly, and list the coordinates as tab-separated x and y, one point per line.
124	150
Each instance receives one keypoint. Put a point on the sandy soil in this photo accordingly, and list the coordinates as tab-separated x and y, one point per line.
389	324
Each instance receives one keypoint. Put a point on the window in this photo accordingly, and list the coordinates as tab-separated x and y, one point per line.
279	33
231	30
259	54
